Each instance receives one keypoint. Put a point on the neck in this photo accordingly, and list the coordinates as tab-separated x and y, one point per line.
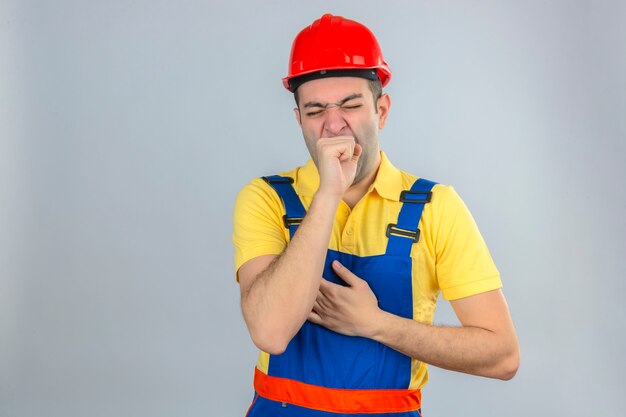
357	190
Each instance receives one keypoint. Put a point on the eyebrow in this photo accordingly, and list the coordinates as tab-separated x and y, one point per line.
340	103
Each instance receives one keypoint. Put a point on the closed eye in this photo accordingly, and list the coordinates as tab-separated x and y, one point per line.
344	107
314	113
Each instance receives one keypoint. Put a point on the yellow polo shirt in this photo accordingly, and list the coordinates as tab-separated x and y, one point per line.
450	256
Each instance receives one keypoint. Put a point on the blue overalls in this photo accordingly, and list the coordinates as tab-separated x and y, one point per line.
323	373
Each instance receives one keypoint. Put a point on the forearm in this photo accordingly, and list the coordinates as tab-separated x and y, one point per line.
467	349
281	297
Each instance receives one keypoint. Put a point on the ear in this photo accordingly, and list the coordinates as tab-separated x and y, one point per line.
296	112
384	104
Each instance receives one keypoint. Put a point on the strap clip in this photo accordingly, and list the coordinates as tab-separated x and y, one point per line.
392	229
278	180
290	221
408	196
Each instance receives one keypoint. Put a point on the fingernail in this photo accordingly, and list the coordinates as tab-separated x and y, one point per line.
336	264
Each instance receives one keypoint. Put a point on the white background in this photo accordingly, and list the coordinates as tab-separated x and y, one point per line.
128	127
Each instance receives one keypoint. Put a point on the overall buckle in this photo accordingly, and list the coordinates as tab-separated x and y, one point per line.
281	180
290	221
392	229
408	196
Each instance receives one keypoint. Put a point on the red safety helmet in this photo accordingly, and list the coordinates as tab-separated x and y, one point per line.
335	43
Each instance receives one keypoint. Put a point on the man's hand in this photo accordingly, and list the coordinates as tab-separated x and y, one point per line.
337	160
347	310
484	345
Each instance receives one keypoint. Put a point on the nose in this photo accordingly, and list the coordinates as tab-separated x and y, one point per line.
334	122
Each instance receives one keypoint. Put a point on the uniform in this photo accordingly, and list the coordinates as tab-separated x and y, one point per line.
410	239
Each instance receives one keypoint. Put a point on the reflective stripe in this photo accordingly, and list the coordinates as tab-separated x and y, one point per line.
336	400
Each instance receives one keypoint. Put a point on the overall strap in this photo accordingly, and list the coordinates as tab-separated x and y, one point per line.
294	210
405	232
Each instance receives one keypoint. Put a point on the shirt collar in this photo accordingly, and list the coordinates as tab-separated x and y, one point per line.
388	181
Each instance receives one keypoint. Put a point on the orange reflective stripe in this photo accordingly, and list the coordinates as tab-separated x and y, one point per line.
336	400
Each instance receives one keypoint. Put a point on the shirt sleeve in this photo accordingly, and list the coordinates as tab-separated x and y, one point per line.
257	223
464	266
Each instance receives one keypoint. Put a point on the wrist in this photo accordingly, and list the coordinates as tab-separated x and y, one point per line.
327	198
378	325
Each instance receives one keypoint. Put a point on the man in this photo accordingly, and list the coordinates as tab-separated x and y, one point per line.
338	282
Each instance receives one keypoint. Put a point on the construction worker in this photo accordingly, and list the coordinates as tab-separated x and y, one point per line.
340	261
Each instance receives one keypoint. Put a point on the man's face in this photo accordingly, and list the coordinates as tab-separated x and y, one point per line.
342	106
